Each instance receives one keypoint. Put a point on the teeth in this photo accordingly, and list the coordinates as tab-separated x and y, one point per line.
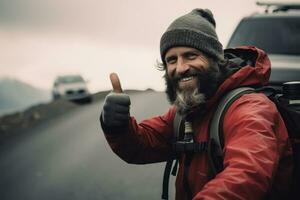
186	78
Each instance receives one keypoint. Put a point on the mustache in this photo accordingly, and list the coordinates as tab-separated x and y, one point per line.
191	72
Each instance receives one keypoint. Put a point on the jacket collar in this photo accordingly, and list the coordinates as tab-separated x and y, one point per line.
255	72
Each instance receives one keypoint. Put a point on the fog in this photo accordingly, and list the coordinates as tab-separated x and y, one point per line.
43	39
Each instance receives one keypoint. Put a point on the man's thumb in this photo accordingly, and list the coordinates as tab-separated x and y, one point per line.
115	82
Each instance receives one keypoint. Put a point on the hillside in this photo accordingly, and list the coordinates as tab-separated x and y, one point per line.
16	95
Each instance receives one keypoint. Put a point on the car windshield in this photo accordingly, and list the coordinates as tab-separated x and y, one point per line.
70	79
273	35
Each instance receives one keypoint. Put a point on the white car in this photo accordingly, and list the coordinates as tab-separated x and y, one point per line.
71	87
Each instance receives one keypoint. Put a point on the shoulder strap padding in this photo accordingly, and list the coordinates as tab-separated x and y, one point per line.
216	143
177	126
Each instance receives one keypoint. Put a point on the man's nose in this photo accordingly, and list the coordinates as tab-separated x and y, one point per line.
182	66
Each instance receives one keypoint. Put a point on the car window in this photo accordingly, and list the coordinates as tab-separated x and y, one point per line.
70	79
273	35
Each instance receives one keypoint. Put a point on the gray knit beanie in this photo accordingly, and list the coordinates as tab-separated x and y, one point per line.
195	29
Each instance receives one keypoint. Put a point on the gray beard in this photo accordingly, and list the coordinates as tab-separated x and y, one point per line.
187	100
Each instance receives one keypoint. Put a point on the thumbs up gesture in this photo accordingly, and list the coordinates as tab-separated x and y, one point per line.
115	82
116	106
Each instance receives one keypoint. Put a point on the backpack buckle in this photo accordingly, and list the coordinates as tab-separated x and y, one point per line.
189	147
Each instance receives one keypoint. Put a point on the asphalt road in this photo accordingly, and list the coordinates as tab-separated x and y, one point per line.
68	158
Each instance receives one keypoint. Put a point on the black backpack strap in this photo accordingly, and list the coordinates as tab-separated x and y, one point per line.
187	162
195	147
165	189
215	142
177	127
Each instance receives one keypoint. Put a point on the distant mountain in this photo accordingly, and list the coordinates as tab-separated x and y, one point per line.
17	96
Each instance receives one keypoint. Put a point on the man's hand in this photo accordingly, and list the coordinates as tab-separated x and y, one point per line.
116	106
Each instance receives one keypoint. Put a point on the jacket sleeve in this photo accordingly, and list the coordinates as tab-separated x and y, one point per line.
254	140
146	142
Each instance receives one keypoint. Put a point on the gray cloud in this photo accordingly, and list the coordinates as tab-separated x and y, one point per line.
133	21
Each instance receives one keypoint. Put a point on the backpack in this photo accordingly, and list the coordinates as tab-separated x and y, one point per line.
287	101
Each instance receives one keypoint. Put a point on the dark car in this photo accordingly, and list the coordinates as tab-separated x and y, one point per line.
277	32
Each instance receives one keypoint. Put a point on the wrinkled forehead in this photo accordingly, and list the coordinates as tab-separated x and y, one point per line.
181	50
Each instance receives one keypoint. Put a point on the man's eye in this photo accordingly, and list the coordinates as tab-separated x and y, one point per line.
191	56
170	60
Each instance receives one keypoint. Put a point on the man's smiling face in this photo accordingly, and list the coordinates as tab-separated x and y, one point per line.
184	64
191	78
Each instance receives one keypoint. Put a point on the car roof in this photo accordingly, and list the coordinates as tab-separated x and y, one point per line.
294	14
68	77
277	9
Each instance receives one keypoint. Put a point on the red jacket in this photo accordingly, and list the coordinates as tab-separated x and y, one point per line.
257	153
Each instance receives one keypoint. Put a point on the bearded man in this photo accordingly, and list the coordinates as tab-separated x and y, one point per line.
257	154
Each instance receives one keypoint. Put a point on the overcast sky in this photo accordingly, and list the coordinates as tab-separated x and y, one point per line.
41	39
